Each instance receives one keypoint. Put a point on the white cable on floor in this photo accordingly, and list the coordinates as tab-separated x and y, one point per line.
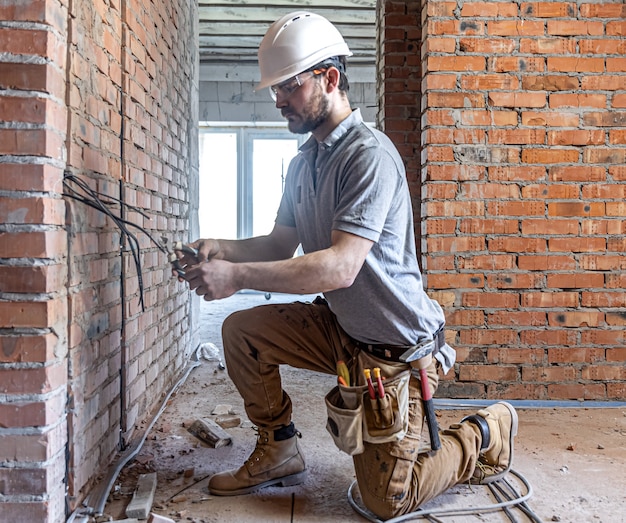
448	512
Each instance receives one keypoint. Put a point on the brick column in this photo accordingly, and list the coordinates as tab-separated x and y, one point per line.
523	198
33	272
399	86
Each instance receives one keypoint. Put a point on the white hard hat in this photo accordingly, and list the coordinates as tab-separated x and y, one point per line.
295	43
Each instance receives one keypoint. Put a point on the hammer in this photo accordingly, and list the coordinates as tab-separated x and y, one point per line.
419	357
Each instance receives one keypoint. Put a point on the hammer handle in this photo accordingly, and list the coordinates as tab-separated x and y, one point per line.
429	411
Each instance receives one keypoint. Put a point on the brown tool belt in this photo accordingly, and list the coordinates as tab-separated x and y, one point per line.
393	352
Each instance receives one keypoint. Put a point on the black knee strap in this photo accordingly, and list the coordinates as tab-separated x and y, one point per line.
482	425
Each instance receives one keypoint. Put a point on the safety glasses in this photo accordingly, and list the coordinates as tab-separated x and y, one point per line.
288	87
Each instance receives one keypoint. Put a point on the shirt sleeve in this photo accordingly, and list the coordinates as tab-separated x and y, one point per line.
370	181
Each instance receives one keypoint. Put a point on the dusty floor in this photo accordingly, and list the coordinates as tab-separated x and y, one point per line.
573	458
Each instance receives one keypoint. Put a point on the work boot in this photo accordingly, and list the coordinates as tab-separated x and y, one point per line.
498	426
276	460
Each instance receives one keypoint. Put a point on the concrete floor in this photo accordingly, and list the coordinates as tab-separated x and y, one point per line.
574	459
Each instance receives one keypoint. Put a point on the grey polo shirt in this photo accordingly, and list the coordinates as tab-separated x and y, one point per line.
354	181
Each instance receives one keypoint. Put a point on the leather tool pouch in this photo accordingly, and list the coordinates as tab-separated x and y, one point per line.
354	417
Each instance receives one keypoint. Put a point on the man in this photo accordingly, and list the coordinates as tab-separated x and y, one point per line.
346	202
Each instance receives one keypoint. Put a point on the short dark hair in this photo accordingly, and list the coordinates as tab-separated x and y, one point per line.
340	63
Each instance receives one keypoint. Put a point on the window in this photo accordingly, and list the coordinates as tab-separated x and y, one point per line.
242	172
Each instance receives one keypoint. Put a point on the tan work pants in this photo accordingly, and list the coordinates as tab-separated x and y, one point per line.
393	478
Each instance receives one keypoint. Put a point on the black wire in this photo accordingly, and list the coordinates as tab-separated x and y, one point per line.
102	203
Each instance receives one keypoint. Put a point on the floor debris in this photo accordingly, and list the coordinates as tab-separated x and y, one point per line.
139	507
210	432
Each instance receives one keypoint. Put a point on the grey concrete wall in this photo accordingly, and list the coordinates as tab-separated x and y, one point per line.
223	101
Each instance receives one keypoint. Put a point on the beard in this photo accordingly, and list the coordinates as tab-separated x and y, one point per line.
312	115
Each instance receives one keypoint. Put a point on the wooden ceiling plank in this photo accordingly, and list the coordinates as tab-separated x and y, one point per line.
258	30
271	13
292	5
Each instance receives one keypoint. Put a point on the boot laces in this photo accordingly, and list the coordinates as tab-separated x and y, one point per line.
261	443
484	470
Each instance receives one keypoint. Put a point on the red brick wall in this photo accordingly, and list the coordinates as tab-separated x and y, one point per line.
399	85
105	92
524	180
33	271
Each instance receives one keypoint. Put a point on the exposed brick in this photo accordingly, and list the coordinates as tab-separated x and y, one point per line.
449	281
32	381
480	44
510	355
603	10
530	391
577	319
29	348
515	281
550	155
45	244
548	9
574	27
503	64
29	177
576	137
489	300
549	299
577	391
604	155
32	279
575	281
597	46
551	262
575	245
550	119
604	373
35	414
577	100
616	65
517	99
550	83
515	208
515	244
515	28
575	64
605	119
549	374
548	46
575	355
487	373
489	226
32	211
517	136
530	318
603	82
551	192
455	63
577	173
549	337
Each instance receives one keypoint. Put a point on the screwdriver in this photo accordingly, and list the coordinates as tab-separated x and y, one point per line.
343	372
379	382
370	385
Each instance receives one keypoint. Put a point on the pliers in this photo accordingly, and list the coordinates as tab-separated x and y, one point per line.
173	257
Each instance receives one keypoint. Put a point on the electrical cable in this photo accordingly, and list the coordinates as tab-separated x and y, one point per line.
102	203
102	494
